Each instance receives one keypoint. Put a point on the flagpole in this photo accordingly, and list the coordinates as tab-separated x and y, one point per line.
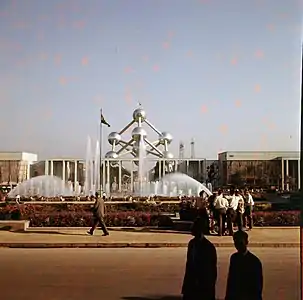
100	152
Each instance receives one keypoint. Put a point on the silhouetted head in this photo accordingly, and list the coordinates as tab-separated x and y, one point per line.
240	241
97	195
219	192
197	228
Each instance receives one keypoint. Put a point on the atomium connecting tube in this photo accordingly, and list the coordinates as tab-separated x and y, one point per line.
127	126
153	147
126	144
152	127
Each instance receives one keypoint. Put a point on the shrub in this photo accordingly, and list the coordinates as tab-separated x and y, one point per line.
66	215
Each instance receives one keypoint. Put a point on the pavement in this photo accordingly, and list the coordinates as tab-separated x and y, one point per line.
129	274
286	237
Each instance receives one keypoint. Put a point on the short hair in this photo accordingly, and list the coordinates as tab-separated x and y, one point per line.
240	234
197	227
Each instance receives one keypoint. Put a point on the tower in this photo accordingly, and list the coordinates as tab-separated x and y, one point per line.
181	150
139	141
192	148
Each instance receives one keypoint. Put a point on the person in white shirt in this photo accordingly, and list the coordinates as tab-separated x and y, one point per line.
240	209
221	205
249	204
231	211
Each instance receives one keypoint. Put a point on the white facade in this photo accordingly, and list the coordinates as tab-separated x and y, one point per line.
15	166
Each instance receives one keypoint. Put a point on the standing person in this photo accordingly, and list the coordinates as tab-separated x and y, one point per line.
231	211
240	210
98	215
201	267
249	204
221	205
245	276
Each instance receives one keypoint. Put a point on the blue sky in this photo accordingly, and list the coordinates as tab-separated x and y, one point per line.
226	73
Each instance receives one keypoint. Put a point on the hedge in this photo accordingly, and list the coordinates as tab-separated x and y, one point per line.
80	215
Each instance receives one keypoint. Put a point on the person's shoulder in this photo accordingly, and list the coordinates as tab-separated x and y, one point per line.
209	244
254	258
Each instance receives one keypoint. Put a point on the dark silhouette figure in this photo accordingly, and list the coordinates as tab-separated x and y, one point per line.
201	267
98	216
245	277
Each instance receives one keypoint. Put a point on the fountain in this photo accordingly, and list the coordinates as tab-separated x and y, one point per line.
42	186
92	169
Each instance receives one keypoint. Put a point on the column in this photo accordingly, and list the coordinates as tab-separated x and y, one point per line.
187	166
120	176
52	168
46	165
68	170
199	169
103	163
76	173
282	174
159	169
63	170
28	171
131	175
108	178
287	174
164	166
299	175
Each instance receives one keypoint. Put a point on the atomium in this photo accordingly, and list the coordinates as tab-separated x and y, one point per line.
139	140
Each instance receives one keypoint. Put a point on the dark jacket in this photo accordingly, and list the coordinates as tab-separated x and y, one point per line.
99	208
245	277
201	270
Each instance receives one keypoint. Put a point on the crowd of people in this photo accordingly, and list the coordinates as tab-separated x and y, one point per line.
224	209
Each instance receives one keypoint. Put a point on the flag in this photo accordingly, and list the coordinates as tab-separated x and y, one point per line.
103	121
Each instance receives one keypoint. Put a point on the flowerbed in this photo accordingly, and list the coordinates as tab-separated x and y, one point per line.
73	215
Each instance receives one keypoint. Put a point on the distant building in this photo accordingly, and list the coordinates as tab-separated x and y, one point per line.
68	169
15	166
262	168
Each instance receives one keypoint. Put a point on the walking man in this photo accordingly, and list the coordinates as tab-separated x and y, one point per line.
98	215
245	276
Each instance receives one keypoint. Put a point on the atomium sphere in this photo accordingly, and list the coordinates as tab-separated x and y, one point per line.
168	155
139	113
114	137
138	133
111	154
165	137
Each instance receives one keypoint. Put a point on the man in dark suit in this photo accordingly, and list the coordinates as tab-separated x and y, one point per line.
98	215
201	267
245	277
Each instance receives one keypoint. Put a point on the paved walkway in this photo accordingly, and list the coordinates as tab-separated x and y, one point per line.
141	238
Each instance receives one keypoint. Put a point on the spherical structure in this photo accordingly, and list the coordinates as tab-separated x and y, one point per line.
111	154
139	113
165	137
168	155
138	133
114	137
